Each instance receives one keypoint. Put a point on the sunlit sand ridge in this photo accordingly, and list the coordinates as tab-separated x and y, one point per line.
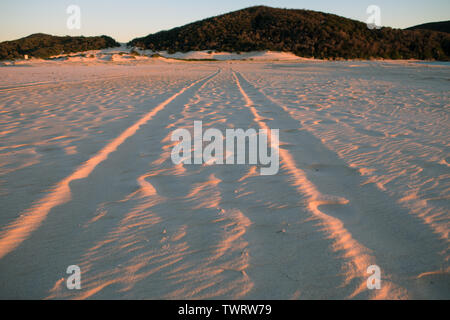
86	178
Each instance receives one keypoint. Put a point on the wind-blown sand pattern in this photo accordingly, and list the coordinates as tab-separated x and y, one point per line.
86	179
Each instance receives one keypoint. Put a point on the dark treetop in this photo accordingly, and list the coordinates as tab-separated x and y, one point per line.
443	26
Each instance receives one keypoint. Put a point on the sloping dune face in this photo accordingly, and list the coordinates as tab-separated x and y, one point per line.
86	179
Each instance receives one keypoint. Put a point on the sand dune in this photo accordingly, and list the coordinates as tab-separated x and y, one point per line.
130	56
86	179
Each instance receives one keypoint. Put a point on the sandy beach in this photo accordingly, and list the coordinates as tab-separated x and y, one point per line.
86	179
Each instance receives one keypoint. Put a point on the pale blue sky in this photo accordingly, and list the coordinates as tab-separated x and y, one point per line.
127	19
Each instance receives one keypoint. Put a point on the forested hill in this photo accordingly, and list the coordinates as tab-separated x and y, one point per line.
303	32
442	26
44	46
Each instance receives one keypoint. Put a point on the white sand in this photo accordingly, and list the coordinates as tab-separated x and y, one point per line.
86	178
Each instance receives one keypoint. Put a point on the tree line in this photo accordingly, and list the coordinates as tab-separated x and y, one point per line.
44	46
303	32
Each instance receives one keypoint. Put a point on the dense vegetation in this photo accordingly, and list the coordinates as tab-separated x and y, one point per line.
44	46
303	32
443	26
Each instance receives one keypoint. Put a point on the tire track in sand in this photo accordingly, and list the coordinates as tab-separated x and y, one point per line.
220	273
357	256
370	217
124	241
19	230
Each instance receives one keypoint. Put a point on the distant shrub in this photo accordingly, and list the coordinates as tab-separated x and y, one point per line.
134	53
